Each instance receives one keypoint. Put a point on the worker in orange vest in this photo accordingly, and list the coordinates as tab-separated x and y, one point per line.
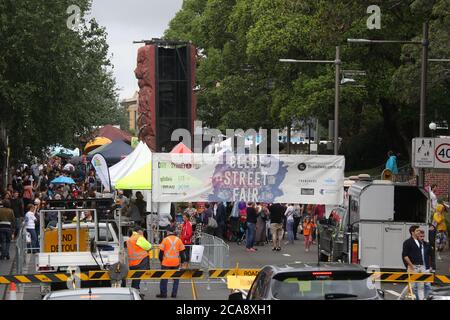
138	258
171	255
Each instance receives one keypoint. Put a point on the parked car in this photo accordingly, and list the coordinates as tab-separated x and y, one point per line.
95	294
326	281
440	294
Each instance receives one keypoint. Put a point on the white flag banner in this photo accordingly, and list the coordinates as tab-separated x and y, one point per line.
100	166
309	179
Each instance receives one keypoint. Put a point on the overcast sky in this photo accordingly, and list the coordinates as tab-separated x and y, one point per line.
130	20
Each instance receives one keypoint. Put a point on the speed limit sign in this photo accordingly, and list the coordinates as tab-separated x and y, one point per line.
442	153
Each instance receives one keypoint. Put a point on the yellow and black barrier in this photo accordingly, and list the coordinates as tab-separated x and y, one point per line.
223	273
400	277
41	278
151	274
103	275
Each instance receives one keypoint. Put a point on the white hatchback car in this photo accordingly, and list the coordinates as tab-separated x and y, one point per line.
95	294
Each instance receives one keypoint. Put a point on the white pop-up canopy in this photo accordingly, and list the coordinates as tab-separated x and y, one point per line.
135	171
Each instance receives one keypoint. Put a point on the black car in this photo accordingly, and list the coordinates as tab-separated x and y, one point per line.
326	281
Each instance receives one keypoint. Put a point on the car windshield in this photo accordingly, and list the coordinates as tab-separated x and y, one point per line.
94	296
296	288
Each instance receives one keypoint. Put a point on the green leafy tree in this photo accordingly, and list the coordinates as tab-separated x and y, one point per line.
56	83
243	84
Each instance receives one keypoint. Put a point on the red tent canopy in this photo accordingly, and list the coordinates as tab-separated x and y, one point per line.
181	148
112	133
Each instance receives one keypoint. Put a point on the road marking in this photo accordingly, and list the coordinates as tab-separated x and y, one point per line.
393	293
297	262
286	254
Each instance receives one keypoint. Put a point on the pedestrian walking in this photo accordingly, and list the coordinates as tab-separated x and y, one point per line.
391	164
171	255
221	218
7	222
297	219
416	256
308	229
276	225
263	216
441	229
30	226
433	197
251	227
186	236
289	215
137	249
19	211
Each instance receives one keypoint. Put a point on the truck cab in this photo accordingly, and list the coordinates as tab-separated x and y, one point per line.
374	224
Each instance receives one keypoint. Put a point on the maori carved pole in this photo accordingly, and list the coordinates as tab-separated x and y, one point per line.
144	72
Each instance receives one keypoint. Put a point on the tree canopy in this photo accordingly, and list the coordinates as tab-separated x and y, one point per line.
56	83
243	85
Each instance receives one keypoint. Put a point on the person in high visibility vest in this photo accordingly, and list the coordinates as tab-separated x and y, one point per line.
171	255
137	249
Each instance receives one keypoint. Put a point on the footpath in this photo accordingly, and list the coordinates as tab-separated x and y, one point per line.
6	267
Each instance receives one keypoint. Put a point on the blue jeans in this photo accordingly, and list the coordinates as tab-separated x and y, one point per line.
143	265
290	230
5	241
251	230
163	283
415	286
34	245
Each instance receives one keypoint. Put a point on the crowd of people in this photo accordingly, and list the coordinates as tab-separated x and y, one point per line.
256	224
31	189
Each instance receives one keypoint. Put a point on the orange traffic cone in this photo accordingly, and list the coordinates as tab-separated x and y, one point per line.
12	291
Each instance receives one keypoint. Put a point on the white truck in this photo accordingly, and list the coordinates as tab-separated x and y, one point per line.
75	245
371	231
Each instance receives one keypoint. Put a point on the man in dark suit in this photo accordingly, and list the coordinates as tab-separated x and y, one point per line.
416	256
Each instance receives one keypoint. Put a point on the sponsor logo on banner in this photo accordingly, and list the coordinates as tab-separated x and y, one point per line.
329	182
328	191
307	192
301	166
307	181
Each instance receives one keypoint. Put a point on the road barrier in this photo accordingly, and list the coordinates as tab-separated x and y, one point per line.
103	275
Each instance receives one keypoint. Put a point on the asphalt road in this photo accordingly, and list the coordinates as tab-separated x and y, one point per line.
217	289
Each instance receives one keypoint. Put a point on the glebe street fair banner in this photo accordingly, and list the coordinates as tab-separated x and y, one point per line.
315	179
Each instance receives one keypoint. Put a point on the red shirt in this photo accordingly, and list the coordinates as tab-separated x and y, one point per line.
186	232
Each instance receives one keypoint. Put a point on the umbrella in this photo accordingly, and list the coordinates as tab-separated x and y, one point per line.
97	142
63	179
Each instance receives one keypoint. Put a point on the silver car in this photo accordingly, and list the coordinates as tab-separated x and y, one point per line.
95	294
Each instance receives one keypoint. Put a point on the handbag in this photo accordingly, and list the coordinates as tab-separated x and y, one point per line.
212	223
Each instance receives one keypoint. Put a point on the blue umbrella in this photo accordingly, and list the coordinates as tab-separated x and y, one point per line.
63	179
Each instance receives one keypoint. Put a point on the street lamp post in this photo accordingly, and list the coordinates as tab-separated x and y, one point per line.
337	62
423	79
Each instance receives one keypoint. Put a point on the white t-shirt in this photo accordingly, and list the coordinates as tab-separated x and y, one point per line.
30	218
290	213
433	200
164	219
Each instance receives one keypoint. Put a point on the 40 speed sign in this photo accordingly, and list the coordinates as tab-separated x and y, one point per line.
442	153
